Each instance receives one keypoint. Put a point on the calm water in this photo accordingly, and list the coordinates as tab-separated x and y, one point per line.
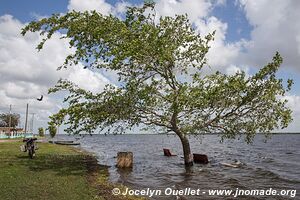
275	164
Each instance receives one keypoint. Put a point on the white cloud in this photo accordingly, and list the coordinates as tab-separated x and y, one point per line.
20	60
221	53
275	29
195	8
293	104
25	73
121	7
99	5
233	69
88	80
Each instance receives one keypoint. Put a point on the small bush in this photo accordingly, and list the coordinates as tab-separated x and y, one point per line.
41	132
52	130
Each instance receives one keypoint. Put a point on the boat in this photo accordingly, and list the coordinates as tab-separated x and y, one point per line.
65	142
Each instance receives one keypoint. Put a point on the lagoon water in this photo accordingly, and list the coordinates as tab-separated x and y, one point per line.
274	164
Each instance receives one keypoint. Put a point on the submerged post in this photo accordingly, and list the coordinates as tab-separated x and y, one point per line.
124	159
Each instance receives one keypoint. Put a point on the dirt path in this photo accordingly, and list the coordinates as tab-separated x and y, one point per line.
2	141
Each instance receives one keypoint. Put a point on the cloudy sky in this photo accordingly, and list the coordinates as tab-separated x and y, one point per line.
248	33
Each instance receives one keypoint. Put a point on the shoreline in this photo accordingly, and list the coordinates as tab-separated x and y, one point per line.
57	172
105	190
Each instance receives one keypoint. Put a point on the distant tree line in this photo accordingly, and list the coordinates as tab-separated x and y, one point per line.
7	119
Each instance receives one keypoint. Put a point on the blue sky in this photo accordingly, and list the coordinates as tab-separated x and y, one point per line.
27	10
248	34
234	16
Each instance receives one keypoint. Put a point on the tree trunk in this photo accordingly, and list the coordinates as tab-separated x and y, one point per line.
188	156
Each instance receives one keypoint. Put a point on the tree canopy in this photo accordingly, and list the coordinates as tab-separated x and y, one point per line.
41	131
159	65
52	130
6	118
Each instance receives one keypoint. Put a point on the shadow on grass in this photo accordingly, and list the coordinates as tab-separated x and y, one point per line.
61	165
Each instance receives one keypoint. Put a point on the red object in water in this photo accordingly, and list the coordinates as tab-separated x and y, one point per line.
167	152
200	158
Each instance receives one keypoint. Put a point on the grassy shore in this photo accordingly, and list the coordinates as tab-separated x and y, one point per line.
57	172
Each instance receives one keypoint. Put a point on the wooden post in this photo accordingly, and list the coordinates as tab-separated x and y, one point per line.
124	159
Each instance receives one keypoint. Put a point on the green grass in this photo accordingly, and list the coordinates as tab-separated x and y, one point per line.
56	173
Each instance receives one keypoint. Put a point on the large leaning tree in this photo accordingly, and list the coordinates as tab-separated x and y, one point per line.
159	64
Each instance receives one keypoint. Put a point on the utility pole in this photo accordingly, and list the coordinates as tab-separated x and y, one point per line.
9	122
26	118
32	119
